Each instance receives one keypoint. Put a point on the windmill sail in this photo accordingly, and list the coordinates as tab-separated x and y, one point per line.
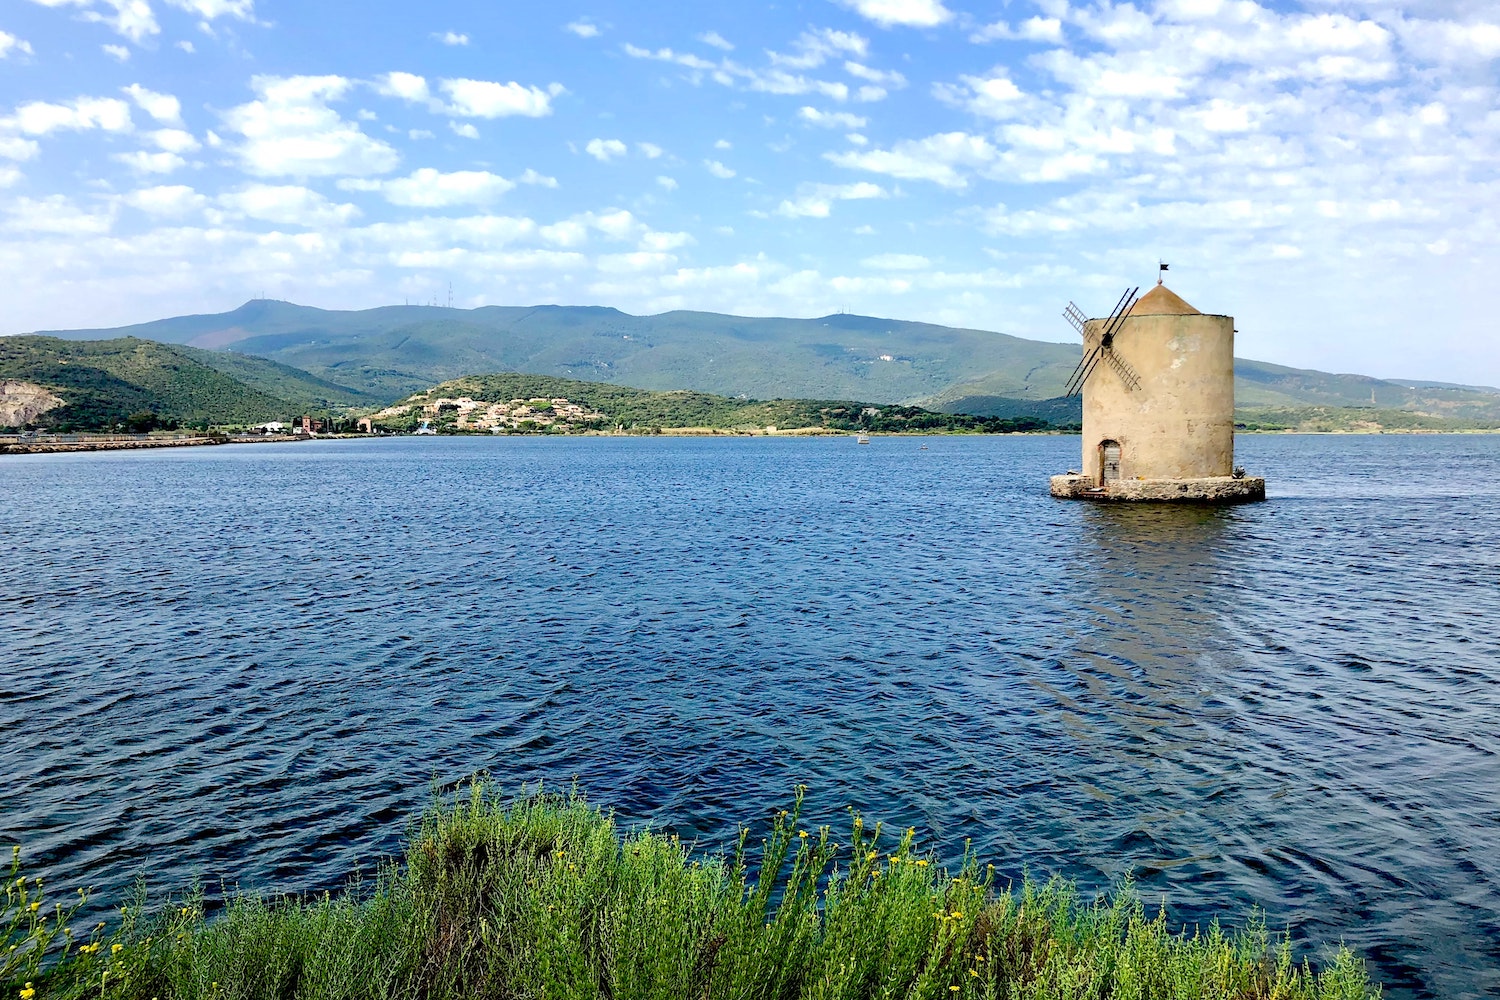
1090	361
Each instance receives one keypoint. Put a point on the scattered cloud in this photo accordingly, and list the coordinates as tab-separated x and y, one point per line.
169	200
79	115
145	162
831	119
605	150
429	188
11	44
132	19
815	201
716	40
486	99
904	13
464	130
583	29
718	169
649	150
1033	29
667	183
943	159
287	205
119	53
163	107
290	130
451	38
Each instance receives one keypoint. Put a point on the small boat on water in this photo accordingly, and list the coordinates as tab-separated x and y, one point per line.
424	429
862	439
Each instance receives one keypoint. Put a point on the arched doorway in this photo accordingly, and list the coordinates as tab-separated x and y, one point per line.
1109	461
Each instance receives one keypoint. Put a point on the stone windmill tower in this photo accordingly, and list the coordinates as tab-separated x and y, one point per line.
1157	378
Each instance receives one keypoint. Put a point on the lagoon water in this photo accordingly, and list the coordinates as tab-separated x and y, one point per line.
249	663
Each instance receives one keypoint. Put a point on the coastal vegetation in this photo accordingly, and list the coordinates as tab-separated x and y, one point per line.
479	403
544	896
139	385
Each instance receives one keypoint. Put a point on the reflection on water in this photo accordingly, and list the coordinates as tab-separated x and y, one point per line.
249	662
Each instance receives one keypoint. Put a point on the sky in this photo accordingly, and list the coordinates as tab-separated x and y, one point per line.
1327	172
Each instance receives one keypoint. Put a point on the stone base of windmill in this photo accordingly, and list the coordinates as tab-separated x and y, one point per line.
1214	489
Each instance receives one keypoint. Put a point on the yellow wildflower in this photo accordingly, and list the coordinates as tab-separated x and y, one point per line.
802	834
27	992
974	973
953	988
115	949
958	915
36	906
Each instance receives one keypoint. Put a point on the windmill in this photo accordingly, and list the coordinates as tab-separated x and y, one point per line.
1104	350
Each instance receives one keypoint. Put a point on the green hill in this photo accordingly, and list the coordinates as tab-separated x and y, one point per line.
141	384
385	353
611	407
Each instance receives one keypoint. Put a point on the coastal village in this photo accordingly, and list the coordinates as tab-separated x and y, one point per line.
471	414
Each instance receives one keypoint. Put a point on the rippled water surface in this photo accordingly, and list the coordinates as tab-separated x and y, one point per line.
250	662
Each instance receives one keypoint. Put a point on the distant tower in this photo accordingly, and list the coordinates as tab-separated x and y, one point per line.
1157	379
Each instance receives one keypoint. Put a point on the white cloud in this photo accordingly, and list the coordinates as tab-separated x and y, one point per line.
583	29
816	46
1443	41
995	96
884	77
186	46
287	205
540	180
130	18
55	214
649	150
451	38
715	39
417	134
1033	29
117	52
429	188
657	241
163	107
150	163
12	148
243	10
487	99
937	158
718	169
291	131
667	183
831	119
172	200
407	86
10	176
618	224
81	114
174	140
605	150
908	13
464	130
10	43
815	201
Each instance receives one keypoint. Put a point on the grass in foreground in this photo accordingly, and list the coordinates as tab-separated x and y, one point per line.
544	897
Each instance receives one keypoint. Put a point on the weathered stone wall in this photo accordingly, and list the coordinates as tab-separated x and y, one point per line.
1180	423
1214	489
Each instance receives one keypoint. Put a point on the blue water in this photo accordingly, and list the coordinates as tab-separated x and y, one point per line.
249	662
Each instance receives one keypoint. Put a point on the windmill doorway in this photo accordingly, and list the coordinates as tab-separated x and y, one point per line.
1109	461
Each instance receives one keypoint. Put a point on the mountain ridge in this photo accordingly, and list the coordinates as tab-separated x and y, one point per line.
387	352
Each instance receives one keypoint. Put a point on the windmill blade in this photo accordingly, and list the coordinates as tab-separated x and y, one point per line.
1075	317
1127	374
1117	318
1081	373
1098	356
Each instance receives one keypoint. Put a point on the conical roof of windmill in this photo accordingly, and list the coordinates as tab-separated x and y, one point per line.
1162	301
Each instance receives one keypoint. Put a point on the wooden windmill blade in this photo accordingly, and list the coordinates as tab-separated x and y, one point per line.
1090	360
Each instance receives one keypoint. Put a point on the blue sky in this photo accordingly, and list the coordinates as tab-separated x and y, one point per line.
1327	172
